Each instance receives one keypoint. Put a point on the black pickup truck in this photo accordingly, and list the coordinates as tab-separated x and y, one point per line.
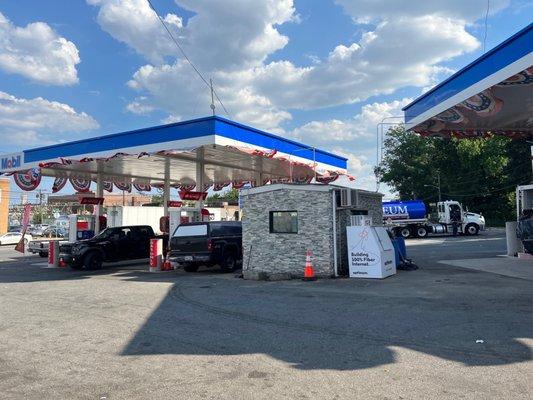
207	243
111	245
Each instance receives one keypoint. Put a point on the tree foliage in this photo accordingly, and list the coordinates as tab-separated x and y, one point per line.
480	173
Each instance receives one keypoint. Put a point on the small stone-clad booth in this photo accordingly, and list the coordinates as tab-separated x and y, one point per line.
280	222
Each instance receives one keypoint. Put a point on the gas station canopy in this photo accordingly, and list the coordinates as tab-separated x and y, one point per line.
492	95
196	153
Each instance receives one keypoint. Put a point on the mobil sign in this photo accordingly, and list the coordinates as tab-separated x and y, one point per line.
10	161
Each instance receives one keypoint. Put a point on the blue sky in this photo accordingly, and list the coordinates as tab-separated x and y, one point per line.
322	72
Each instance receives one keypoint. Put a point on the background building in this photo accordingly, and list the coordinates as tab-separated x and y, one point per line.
4	205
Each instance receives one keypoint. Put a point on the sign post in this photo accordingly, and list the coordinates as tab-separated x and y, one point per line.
156	254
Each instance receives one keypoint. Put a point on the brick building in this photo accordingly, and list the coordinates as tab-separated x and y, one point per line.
4	205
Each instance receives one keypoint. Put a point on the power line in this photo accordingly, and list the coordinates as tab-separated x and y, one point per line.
186	57
486	25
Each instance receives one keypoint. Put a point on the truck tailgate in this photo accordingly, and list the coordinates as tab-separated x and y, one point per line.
189	244
190	239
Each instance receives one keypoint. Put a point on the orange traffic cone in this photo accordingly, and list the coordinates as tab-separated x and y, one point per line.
167	266
309	273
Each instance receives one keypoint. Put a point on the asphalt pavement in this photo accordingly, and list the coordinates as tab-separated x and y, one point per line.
440	332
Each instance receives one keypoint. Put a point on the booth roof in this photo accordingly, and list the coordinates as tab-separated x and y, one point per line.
492	95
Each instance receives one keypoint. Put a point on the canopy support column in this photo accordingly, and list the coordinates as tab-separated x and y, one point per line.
99	194
200	167
166	187
258	173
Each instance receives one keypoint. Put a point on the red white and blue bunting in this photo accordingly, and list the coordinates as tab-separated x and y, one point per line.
125	186
142	187
108	186
81	185
28	180
59	183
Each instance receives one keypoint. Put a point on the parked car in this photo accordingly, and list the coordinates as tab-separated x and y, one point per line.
15	229
112	244
54	232
207	243
37	230
41	246
14	238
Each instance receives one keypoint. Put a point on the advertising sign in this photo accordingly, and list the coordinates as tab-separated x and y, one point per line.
96	201
370	252
11	162
173	203
192	195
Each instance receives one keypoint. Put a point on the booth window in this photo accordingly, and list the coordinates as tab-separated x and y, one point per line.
283	221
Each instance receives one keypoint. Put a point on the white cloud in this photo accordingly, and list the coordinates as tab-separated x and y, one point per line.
368	11
397	53
404	46
31	121
221	35
134	23
361	128
37	52
353	138
139	106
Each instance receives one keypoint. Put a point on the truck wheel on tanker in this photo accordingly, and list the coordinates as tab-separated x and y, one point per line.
421	231
471	229
404	232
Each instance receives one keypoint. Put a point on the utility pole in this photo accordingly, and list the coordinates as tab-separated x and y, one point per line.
212	96
438	180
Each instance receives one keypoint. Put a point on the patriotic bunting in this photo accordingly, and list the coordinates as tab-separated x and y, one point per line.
108	186
142	187
59	183
126	186
80	184
327	178
219	186
27	181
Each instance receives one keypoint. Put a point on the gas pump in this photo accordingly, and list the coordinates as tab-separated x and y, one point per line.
182	215
82	226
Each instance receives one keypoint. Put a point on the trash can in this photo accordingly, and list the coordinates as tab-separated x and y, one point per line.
400	251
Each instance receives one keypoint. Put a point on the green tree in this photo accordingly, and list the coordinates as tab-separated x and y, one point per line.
480	173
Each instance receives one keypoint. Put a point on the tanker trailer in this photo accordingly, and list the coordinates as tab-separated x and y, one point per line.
409	219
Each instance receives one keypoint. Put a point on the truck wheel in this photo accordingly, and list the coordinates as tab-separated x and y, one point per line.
43	254
471	229
421	232
93	260
191	267
229	263
404	232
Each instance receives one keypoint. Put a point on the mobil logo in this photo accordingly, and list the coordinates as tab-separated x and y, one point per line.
10	162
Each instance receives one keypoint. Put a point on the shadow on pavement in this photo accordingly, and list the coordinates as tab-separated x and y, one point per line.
320	327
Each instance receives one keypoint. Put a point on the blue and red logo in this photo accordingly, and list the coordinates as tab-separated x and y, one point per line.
11	162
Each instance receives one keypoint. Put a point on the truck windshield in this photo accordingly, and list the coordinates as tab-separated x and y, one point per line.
106	233
190	230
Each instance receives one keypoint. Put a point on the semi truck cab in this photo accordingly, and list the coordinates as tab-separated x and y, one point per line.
470	223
